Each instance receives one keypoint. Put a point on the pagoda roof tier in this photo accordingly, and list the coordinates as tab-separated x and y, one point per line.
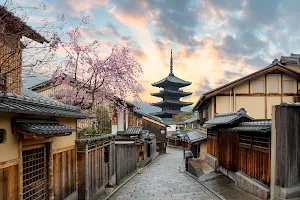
171	102
167	92
166	113
171	80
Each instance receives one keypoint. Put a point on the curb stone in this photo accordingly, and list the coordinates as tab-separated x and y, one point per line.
214	192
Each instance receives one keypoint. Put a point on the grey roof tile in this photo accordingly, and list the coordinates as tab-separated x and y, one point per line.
132	130
43	127
172	79
227	118
195	136
94	138
254	126
30	102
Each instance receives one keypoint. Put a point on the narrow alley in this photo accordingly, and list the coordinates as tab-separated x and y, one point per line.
164	179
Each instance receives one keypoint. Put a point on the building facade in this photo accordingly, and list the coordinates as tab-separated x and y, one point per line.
257	92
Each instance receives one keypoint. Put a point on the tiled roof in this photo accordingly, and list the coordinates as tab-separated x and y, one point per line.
167	92
94	138
254	126
16	24
174	102
132	130
43	127
227	118
195	136
172	79
297	104
30	102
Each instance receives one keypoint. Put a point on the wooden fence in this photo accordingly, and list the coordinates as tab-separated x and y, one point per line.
94	169
64	168
126	162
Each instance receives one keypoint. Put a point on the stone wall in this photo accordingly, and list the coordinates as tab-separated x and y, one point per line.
212	161
252	186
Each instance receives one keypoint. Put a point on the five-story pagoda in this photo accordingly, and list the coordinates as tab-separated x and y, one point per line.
170	94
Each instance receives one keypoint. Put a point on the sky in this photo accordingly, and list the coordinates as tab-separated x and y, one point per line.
213	41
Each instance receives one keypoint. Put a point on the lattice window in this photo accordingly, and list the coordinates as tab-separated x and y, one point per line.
2	136
35	179
245	140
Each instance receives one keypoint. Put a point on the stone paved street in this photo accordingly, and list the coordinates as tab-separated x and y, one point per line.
164	179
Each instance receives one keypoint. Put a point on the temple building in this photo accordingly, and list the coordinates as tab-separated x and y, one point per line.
171	95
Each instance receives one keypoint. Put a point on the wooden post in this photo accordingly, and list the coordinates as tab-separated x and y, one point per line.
86	171
20	174
51	171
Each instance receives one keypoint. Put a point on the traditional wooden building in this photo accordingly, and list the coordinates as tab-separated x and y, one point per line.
256	92
154	125
197	143
38	137
171	95
239	146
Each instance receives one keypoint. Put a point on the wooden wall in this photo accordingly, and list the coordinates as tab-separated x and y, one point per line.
64	173
156	128
9	183
228	150
125	160
255	163
212	144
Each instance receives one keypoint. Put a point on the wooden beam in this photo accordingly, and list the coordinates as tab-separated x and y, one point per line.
281	89
63	149
249	87
215	105
36	141
51	192
259	95
87	171
9	163
266	103
20	170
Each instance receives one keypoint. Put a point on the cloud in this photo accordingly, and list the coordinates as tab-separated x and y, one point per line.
75	7
173	20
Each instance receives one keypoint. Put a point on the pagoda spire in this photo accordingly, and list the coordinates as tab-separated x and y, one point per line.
171	65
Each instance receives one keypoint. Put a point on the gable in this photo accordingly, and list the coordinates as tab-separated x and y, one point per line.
256	83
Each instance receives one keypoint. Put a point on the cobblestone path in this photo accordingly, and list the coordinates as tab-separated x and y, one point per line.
165	180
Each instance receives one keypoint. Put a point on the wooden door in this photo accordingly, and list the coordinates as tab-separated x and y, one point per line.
35	173
229	150
224	149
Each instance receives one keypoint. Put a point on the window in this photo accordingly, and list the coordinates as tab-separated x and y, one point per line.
288	86
273	84
258	87
2	136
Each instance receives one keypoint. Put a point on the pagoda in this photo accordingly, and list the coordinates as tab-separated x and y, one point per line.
171	95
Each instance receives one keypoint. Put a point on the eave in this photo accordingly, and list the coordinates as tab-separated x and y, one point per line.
172	102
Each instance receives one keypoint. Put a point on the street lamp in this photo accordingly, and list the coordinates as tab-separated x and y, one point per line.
162	131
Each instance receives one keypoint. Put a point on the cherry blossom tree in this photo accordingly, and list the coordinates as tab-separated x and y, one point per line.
89	78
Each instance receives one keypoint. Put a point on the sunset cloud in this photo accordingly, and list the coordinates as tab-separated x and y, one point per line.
214	42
